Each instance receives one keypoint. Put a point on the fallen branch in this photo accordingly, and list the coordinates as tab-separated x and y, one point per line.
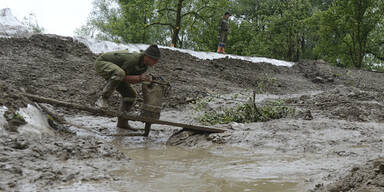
108	113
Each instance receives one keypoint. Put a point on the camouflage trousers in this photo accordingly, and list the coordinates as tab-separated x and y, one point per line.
222	39
112	72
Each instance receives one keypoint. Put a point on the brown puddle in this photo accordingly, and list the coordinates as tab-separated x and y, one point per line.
167	168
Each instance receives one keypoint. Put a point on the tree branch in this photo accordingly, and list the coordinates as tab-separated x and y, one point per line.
166	9
196	13
159	23
376	55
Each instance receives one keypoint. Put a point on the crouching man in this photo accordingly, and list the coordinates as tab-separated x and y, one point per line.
120	69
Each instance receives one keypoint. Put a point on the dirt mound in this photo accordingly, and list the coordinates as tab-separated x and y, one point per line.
21	155
369	177
341	102
21	160
50	66
62	68
327	76
10	97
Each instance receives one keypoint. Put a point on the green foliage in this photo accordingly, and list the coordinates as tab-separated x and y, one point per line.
150	21
349	30
247	113
241	113
14	116
201	34
201	103
31	23
264	82
273	28
102	22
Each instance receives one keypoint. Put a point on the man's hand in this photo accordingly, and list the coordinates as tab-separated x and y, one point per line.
146	77
133	79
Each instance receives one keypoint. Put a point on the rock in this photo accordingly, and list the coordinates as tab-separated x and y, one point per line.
318	80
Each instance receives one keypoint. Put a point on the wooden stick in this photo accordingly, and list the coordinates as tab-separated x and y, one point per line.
72	105
126	135
117	114
162	122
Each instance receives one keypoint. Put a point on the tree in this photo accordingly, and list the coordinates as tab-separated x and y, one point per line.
102	21
148	21
321	5
274	28
181	15
346	30
200	33
349	30
31	23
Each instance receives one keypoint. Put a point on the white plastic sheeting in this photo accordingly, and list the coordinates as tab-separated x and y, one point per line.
37	122
10	26
97	46
212	55
3	121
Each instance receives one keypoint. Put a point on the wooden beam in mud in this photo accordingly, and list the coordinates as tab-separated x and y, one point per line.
185	126
108	113
55	102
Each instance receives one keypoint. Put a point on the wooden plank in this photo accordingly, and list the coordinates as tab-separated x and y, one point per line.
185	126
108	113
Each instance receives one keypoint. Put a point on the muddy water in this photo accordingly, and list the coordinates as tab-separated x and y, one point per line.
281	155
216	168
207	167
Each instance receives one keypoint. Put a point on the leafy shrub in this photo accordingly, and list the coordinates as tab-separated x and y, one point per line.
246	113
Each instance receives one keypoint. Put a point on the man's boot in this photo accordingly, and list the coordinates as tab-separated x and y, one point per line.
223	50
218	49
121	121
109	87
123	124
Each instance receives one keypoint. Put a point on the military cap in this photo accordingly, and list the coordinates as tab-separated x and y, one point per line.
153	51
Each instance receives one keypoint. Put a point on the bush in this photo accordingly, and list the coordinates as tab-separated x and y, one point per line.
246	113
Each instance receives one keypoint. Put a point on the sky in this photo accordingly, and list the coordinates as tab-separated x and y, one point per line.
59	17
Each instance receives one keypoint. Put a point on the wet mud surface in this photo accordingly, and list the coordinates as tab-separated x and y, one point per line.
333	142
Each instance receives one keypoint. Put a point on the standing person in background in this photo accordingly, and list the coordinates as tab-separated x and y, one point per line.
223	32
121	69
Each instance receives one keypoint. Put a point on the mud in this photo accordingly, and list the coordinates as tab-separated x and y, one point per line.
369	177
36	164
337	127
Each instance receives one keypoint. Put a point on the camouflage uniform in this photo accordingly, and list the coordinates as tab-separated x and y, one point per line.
223	33
223	30
113	67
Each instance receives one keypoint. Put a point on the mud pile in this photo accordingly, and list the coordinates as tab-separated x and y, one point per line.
50	66
62	68
22	157
369	177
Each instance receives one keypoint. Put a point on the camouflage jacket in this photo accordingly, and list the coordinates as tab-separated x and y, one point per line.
131	63
223	25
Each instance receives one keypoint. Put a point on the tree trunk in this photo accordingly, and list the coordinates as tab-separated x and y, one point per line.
176	29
